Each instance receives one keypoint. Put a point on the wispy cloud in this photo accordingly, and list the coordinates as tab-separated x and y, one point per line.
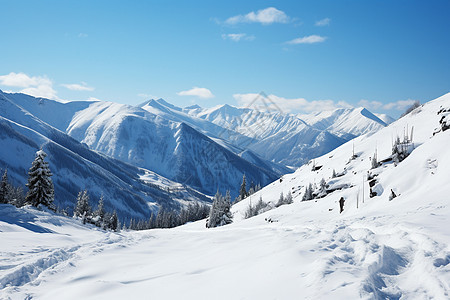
370	105
236	37
310	39
82	35
264	16
38	86
77	87
400	105
323	22
292	104
146	96
203	93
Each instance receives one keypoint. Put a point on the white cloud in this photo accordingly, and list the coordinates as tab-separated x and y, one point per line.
38	86
146	96
287	105
82	35
236	37
399	105
78	87
370	105
310	39
323	22
203	93
264	16
22	80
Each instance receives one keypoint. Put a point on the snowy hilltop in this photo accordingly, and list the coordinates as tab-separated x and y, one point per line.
391	240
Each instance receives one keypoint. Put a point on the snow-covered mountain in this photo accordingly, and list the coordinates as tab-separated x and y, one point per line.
157	140
207	149
132	191
379	247
291	139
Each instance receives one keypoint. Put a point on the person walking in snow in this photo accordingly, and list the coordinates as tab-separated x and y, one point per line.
341	204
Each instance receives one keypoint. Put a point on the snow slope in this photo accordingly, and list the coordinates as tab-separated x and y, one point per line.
398	249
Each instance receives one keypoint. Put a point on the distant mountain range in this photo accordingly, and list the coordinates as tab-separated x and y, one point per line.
291	139
162	154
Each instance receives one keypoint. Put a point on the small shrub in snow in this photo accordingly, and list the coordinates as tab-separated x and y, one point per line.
259	208
284	200
401	149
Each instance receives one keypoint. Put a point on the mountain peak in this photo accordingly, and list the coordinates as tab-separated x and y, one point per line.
366	113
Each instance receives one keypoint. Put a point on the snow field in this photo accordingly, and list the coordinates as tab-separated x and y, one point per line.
384	249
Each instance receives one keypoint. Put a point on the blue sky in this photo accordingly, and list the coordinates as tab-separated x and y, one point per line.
307	55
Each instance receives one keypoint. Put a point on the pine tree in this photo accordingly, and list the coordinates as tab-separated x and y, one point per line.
17	197
323	184
100	212
220	213
334	174
288	199
4	188
40	185
243	189
280	200
308	193
83	209
250	212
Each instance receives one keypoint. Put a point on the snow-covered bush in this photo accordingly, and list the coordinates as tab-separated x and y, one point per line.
220	213
83	209
259	207
401	149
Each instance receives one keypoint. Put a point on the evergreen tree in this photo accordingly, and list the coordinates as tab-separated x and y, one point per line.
374	162
40	185
99	213
17	197
4	188
250	212
334	174
243	189
323	184
83	209
288	199
259	208
160	218
228	197
280	200
308	193
220	213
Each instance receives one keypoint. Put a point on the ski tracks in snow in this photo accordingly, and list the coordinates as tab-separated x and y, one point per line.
377	262
22	268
